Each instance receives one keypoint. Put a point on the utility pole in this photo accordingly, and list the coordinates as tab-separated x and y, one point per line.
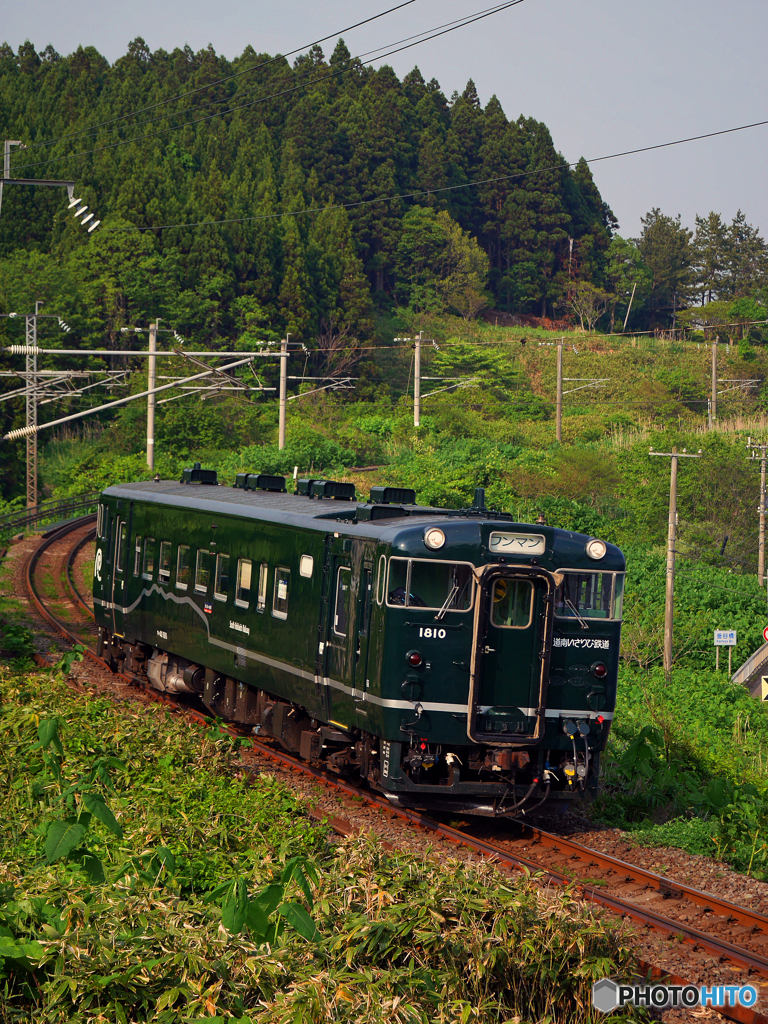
151	381
283	385
629	308
7	163
559	406
753	449
669	607
31	403
713	402
8	180
417	382
31	396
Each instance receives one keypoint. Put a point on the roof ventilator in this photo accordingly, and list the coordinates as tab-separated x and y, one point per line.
393	496
326	489
260	482
197	475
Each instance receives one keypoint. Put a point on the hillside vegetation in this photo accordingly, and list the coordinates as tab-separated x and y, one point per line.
146	877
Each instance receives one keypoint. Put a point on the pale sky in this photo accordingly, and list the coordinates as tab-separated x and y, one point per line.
604	75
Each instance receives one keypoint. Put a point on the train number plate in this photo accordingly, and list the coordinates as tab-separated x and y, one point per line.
432	633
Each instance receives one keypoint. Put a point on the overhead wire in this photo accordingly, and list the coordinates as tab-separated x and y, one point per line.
434	191
353	62
227	78
452	27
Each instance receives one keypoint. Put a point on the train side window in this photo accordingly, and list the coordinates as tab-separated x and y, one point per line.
365	602
164	564
261	601
99	518
618	594
381	580
280	595
149	558
122	537
203	571
182	567
306	565
512	604
137	557
221	584
243	590
341	605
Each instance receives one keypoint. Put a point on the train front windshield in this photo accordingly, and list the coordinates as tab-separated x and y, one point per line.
590	595
425	583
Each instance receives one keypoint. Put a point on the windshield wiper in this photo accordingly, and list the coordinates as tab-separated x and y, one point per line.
572	606
451	595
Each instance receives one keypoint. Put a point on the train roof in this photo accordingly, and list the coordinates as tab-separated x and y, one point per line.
400	526
279	507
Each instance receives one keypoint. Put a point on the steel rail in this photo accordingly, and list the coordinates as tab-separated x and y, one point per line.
77	597
693	937
667	887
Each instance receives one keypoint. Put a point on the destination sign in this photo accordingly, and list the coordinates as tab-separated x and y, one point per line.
502	543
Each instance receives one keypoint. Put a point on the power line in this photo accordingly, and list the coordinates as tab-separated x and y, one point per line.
302	84
221	81
444	188
452	27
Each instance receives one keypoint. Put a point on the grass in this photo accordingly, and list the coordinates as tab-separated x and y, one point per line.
389	938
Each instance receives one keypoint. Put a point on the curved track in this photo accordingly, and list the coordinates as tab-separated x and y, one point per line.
726	933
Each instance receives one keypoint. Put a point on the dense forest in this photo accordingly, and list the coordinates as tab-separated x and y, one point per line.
307	197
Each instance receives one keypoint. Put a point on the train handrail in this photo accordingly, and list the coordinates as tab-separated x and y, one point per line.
54	510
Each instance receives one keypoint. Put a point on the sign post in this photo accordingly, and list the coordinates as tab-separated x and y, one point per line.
724	638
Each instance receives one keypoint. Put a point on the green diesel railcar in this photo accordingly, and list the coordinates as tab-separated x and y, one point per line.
452	658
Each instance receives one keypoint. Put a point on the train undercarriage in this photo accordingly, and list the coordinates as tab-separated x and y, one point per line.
495	781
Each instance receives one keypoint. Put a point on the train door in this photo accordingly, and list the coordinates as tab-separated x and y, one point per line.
102	582
340	643
510	660
342	648
362	631
118	542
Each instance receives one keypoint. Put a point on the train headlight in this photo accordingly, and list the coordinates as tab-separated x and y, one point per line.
596	549
434	538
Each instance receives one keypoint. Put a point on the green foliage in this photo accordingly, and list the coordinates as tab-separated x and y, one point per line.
17	640
221	901
685	767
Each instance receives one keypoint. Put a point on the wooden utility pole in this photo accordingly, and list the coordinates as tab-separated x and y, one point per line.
629	309
754	449
151	382
283	387
417	381
31	404
669	606
559	408
713	402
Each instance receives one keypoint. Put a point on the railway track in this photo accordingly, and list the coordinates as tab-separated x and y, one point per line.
718	935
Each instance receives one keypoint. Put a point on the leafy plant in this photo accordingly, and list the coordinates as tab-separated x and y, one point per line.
240	911
64	837
18	639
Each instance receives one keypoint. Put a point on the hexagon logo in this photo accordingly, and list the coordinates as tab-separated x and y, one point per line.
605	995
